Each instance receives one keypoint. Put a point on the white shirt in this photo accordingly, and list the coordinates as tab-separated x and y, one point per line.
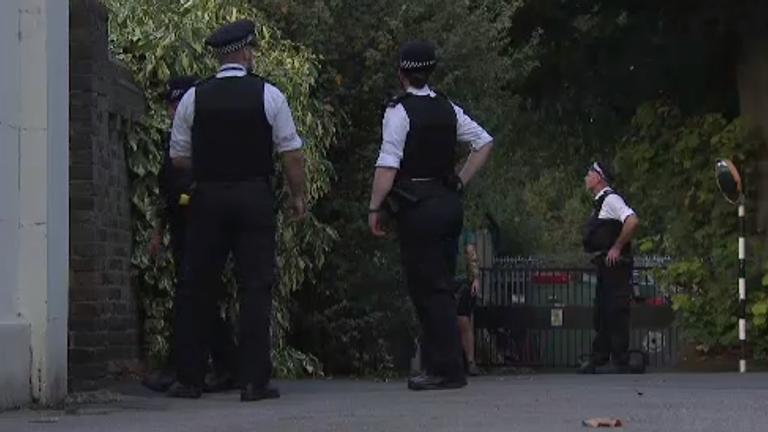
396	124
276	109
614	207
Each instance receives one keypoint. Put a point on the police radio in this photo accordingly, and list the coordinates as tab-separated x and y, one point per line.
184	197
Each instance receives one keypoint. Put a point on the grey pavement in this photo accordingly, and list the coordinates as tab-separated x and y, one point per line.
530	403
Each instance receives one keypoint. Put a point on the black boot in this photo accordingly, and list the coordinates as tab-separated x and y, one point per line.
252	393
590	364
433	382
183	391
637	361
159	380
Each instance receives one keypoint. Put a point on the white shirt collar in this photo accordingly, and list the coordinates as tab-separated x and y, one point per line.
424	91
602	191
231	70
231	66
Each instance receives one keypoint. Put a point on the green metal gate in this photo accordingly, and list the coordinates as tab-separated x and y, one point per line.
536	315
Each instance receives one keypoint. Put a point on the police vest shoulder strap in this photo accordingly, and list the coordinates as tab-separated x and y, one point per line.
272	83
442	95
394	101
204	80
599	202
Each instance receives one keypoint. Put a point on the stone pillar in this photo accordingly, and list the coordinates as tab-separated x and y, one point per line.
34	225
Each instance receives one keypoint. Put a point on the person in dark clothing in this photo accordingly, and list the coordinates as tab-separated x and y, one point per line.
468	285
416	182
607	235
227	129
174	186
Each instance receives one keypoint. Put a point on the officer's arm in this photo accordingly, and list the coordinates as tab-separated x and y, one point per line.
286	139
467	130
181	132
617	209
394	130
627	231
293	162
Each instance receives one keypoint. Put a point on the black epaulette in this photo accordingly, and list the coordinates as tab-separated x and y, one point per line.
204	80
250	74
598	204
441	94
254	75
394	101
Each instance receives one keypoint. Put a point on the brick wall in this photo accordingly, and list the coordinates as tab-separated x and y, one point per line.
103	324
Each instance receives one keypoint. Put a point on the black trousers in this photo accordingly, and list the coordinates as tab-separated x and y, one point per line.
611	313
237	218
429	240
223	348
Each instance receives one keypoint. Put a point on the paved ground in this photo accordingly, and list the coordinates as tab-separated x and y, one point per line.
653	402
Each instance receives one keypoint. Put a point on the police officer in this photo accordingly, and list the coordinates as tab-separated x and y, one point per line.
174	184
415	181
607	235
226	129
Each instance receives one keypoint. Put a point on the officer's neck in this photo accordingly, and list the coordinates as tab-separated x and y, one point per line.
417	91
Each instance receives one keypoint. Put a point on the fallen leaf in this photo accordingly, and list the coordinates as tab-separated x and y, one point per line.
603	422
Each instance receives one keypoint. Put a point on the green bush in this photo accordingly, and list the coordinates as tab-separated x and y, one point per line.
667	161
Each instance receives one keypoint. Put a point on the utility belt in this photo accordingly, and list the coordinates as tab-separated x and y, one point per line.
186	196
598	259
408	193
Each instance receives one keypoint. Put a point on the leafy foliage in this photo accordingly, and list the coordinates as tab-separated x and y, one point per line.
158	40
670	159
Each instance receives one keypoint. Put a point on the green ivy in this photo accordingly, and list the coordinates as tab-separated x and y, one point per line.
667	162
158	40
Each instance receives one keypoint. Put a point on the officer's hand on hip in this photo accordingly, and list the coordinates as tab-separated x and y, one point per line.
613	256
298	207
374	223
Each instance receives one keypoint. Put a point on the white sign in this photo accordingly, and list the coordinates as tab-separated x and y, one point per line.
556	317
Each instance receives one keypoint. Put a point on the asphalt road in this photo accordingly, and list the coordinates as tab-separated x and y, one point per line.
652	402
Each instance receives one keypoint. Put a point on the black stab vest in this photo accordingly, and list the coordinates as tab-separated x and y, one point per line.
431	142
231	136
599	235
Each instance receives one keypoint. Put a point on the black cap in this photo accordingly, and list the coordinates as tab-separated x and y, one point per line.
232	36
177	86
418	56
603	170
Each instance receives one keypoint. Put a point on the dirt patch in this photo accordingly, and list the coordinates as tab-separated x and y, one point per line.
694	360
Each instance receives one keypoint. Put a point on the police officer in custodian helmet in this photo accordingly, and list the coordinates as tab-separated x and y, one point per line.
607	235
226	129
416	182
